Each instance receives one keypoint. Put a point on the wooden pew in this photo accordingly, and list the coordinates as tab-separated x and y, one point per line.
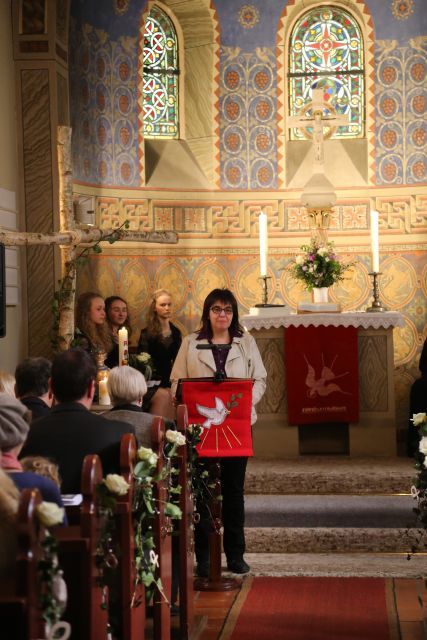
162	528
86	607
20	615
132	618
186	536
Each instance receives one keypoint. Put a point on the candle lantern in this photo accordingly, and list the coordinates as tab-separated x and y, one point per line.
101	393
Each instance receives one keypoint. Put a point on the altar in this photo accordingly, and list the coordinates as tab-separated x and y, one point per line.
375	432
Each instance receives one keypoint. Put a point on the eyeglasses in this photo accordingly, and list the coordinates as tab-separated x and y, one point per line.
218	310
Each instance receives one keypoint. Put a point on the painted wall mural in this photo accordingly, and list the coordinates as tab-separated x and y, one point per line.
401	112
103	89
218	230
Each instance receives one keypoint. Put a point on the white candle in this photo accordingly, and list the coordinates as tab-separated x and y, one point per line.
263	243
103	397
375	242
123	346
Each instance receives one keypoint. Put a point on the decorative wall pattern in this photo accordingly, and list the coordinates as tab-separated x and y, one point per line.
103	89
248	123
104	115
235	219
401	104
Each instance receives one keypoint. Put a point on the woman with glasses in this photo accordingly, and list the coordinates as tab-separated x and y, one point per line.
220	326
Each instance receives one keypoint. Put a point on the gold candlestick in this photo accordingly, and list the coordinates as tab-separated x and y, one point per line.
376	304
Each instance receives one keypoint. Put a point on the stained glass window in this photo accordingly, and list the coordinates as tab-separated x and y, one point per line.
326	52
160	76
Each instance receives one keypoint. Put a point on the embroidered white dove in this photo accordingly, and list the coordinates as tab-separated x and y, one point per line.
215	415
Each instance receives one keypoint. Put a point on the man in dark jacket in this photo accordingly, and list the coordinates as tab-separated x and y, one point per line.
32	385
71	431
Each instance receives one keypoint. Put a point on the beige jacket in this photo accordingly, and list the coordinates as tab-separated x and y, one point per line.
243	361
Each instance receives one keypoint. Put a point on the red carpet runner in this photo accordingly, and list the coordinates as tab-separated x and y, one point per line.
313	609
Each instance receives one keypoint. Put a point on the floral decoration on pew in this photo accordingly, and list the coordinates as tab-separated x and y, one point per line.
419	487
200	471
53	590
145	508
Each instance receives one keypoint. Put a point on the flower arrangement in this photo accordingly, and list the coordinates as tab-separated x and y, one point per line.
419	488
143	362
318	266
52	588
144	510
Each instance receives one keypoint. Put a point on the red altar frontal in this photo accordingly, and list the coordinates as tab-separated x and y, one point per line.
329	391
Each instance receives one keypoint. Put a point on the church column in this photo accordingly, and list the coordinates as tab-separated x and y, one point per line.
40	43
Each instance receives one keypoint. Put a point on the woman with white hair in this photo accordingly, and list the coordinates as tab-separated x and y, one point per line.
127	388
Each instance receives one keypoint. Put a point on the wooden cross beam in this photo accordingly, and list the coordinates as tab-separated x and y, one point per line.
68	238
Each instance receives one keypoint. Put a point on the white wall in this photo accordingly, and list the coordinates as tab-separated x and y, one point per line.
12	346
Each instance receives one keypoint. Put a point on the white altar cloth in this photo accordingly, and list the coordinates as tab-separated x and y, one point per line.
363	319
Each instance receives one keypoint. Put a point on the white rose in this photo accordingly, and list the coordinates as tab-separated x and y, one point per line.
322	251
175	437
143	357
423	445
50	514
116	484
418	419
299	260
148	455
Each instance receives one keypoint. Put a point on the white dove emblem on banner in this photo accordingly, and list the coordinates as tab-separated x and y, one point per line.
214	415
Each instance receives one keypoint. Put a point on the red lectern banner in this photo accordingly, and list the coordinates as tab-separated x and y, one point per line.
224	411
322	374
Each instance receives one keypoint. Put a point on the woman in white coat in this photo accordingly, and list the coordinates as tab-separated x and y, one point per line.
220	326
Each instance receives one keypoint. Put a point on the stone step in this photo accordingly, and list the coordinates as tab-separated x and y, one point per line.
329	511
329	475
332	539
376	565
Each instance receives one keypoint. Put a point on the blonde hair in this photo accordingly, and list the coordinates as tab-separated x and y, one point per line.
98	334
9	503
125	385
154	327
43	466
7	383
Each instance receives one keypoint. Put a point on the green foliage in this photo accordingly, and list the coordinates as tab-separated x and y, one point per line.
65	289
419	486
318	266
47	572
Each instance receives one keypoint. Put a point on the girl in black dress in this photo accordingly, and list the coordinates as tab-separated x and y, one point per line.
161	339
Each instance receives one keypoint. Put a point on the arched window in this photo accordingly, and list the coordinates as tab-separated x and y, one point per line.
160	76
326	51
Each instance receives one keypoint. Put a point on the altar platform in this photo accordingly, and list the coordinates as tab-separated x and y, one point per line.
375	432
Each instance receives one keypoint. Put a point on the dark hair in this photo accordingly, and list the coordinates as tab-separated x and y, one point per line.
32	377
226	297
109	303
72	372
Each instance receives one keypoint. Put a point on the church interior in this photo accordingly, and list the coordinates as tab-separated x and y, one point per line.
197	149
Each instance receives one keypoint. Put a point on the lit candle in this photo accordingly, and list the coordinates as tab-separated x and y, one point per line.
375	242
123	346
263	243
103	397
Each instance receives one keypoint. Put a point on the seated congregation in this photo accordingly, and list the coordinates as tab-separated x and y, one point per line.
101	568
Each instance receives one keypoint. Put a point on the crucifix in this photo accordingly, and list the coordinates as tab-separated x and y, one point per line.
69	237
319	195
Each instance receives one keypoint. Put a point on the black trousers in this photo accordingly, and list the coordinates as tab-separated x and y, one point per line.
233	512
